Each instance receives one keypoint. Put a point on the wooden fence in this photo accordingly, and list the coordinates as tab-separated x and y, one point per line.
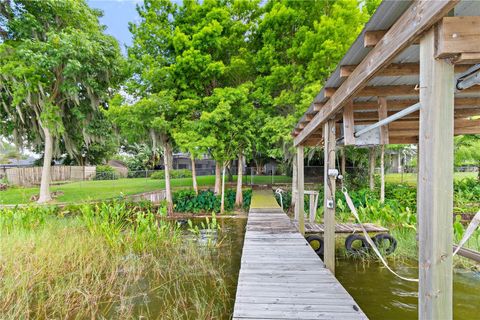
30	176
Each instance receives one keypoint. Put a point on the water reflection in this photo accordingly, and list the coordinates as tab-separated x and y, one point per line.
381	295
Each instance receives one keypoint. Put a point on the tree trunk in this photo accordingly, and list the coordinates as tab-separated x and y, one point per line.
194	175
168	190
239	193
217	177
45	195
371	171
382	174
222	203
343	164
294	184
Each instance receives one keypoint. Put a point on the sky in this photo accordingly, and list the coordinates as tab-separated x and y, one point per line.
117	15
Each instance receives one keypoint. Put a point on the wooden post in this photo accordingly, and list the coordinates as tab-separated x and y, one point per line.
329	195
371	168
348	124
435	182
382	173
312	209
300	191
343	162
382	114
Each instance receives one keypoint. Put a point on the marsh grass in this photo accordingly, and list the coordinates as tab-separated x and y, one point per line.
104	261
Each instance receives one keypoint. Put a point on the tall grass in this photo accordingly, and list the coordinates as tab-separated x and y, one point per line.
104	261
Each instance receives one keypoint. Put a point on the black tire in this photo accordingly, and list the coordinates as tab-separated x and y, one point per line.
364	246
316	242
380	240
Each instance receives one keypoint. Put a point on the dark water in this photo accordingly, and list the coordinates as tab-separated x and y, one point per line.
381	295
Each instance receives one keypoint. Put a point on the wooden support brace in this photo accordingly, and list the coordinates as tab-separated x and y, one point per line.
382	114
457	35
435	183
399	69
329	195
348	125
300	190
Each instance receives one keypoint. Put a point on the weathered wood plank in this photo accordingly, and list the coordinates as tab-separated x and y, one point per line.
281	277
435	183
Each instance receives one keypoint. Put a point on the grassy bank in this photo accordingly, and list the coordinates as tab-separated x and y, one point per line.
104	189
104	261
411	178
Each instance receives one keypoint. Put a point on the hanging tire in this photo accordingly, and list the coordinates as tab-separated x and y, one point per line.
349	241
316	242
380	240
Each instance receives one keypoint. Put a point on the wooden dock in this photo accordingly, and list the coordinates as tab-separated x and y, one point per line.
343	227
281	277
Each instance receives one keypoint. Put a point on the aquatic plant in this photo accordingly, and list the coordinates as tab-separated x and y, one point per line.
207	201
104	261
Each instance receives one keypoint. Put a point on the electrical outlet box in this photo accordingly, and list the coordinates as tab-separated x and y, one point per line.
330	204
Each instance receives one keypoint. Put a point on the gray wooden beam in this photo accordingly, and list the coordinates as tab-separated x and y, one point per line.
435	183
329	196
300	190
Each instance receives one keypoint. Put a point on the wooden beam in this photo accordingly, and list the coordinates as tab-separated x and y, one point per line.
460	125
329	195
308	117
371	38
371	116
435	183
400	90
404	140
329	91
467	58
382	114
398	69
403	33
300	190
348	125
317	107
395	105
458	35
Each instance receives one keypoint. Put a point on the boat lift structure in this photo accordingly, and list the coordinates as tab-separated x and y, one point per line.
411	77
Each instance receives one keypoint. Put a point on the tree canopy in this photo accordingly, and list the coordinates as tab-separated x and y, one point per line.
57	68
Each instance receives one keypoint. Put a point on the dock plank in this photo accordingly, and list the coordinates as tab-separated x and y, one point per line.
281	277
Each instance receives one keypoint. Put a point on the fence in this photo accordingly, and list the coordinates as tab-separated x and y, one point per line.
30	176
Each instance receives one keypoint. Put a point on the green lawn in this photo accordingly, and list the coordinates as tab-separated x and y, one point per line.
411	178
104	189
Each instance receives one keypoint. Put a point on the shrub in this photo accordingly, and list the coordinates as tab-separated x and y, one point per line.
106	172
174	174
207	201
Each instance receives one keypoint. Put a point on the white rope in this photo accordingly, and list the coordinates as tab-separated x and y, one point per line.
469	232
367	237
279	192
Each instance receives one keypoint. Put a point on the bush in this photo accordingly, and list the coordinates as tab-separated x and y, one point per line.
174	174
207	201
106	172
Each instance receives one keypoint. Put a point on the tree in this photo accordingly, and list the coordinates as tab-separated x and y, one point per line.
148	120
299	44
56	69
227	128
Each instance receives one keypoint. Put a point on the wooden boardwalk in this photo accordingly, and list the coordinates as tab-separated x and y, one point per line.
281	277
343	227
